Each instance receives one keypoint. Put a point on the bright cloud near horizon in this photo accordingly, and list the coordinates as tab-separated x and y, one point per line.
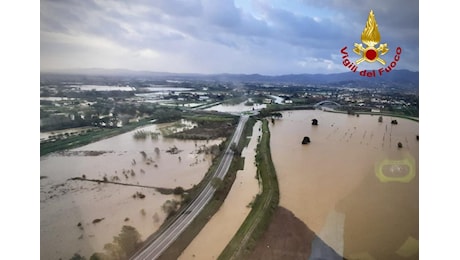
210	36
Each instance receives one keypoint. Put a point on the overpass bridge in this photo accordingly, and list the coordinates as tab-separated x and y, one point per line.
327	103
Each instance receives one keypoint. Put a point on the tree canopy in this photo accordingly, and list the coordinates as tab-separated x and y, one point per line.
306	140
123	245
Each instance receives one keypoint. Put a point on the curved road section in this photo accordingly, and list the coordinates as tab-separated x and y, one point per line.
154	248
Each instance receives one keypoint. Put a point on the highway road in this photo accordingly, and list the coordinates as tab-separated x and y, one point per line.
158	244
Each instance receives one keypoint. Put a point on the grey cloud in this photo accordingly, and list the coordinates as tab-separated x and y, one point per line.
222	13
303	27
395	14
203	28
58	17
179	8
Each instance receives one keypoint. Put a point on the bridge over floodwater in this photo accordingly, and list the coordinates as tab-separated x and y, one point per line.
327	103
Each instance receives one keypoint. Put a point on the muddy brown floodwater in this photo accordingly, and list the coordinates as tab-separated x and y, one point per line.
241	107
221	228
351	185
65	203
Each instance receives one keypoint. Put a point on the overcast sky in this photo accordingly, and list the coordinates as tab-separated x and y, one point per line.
219	36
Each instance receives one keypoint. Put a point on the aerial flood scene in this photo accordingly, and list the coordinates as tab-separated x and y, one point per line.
121	159
229	130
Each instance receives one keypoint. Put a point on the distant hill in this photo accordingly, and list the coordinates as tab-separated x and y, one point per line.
397	78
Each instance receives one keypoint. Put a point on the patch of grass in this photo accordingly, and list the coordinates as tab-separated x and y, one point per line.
210	126
86	138
380	114
211	117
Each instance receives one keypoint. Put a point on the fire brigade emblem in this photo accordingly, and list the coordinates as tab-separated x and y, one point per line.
370	37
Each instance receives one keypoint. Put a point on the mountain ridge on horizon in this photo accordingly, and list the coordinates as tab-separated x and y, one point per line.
121	70
404	77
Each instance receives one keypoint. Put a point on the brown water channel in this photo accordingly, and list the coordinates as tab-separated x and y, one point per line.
221	228
64	203
351	185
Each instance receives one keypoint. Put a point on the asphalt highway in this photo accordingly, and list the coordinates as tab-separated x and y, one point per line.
154	248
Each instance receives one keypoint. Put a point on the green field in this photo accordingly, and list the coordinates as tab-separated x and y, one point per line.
86	138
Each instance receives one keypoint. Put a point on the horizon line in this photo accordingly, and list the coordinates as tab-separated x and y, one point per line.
80	71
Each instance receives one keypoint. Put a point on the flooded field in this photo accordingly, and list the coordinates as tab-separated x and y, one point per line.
165	88
101	88
153	161
232	212
236	108
351	184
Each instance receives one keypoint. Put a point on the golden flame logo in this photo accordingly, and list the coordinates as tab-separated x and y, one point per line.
370	37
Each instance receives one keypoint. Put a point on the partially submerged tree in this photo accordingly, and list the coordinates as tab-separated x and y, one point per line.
178	190
99	256
77	256
170	207
277	115
306	140
128	240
